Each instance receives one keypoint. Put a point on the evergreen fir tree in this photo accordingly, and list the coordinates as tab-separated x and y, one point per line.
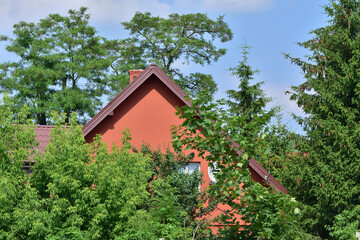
249	100
327	175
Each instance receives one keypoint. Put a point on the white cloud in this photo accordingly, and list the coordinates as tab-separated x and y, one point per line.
13	11
124	10
236	5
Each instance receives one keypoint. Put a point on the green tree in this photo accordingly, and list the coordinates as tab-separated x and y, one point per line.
172	209
77	190
83	191
346	224
274	144
326	176
264	213
248	101
187	37
62	66
279	151
129	56
169	166
16	146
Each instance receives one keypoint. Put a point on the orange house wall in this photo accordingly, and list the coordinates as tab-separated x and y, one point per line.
149	113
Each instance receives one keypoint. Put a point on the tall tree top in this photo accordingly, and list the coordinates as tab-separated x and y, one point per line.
249	99
187	37
190	36
331	70
327	172
63	66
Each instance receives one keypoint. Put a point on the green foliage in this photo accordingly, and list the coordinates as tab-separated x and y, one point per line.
346	224
229	139
279	152
62	66
129	57
263	212
168	167
71	233
175	196
77	190
249	99
16	146
187	37
85	191
325	174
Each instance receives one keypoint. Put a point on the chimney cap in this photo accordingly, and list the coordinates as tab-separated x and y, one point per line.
133	74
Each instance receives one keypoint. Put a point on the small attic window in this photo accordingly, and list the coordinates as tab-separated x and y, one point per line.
191	167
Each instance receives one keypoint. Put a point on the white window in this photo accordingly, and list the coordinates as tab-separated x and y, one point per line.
191	167
211	172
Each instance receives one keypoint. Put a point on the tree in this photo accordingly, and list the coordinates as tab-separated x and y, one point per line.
172	208
250	100
279	152
80	189
273	144
187	37
63	66
16	145
85	191
346	224
264	213
169	166
326	173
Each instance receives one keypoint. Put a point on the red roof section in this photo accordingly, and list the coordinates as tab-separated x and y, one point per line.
43	136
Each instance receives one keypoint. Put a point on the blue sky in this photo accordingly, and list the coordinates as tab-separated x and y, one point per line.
271	27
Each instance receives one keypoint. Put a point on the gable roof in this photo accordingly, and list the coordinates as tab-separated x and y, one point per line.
129	89
175	89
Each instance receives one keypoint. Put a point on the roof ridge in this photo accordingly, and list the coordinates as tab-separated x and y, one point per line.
129	89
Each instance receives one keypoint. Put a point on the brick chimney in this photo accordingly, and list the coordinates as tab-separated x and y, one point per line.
133	74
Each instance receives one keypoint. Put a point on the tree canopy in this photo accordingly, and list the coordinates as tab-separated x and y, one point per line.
249	100
254	210
85	191
326	173
63	66
186	38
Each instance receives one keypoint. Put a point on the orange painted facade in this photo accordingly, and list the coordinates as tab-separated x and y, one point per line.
149	114
147	107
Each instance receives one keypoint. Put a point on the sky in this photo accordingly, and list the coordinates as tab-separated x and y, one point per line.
270	27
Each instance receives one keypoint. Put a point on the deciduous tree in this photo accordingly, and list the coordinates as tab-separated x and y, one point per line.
84	191
16	146
80	189
264	213
62	65
187	37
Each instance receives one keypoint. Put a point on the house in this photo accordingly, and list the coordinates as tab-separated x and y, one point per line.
147	108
